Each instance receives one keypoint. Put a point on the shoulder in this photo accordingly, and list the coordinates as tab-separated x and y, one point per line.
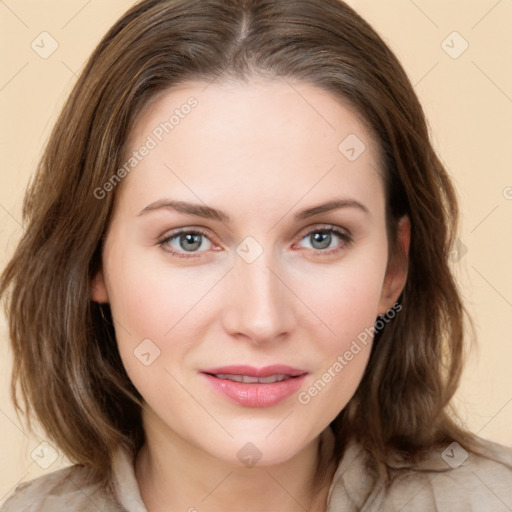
449	479
452	479
65	489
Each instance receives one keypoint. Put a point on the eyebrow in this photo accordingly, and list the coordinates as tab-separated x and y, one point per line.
208	212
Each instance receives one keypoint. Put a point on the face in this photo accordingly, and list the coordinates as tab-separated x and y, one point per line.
250	233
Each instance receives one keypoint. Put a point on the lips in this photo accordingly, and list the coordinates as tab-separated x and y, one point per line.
255	387
247	379
251	371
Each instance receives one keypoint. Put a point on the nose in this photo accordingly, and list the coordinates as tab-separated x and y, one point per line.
258	304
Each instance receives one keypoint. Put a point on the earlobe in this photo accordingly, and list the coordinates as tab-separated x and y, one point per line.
396	273
98	289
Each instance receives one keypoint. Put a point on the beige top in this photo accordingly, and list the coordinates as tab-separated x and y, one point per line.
445	482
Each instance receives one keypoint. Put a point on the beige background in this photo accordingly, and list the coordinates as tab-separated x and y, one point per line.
468	101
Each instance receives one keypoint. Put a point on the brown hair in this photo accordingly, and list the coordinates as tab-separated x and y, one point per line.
66	361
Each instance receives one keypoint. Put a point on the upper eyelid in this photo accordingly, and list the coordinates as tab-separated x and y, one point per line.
323	227
343	232
170	236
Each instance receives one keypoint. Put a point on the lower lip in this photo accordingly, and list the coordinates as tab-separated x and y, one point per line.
256	395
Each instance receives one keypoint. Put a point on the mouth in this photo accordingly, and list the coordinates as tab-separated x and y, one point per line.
252	375
255	387
247	379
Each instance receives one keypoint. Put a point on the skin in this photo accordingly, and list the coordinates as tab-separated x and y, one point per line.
261	153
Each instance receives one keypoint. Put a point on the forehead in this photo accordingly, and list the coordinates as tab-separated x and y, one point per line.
269	139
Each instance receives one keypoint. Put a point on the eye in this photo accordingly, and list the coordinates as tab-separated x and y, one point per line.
327	240
191	243
186	241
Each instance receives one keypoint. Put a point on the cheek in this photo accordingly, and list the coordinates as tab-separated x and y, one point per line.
346	296
350	311
149	297
354	307
151	301
342	356
145	308
138	300
347	302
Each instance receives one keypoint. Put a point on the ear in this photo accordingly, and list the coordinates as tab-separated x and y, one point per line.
396	272
98	289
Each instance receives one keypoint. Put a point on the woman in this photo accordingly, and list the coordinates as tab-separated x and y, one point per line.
229	295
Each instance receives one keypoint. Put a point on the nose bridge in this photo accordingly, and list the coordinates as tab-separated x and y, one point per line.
260	305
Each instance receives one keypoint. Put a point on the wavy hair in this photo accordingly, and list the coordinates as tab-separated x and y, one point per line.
66	362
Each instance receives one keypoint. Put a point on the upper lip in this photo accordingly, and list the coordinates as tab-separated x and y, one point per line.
251	371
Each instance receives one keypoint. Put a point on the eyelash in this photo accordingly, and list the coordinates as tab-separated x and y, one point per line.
345	238
167	238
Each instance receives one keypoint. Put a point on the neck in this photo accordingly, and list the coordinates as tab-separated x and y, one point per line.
174	475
